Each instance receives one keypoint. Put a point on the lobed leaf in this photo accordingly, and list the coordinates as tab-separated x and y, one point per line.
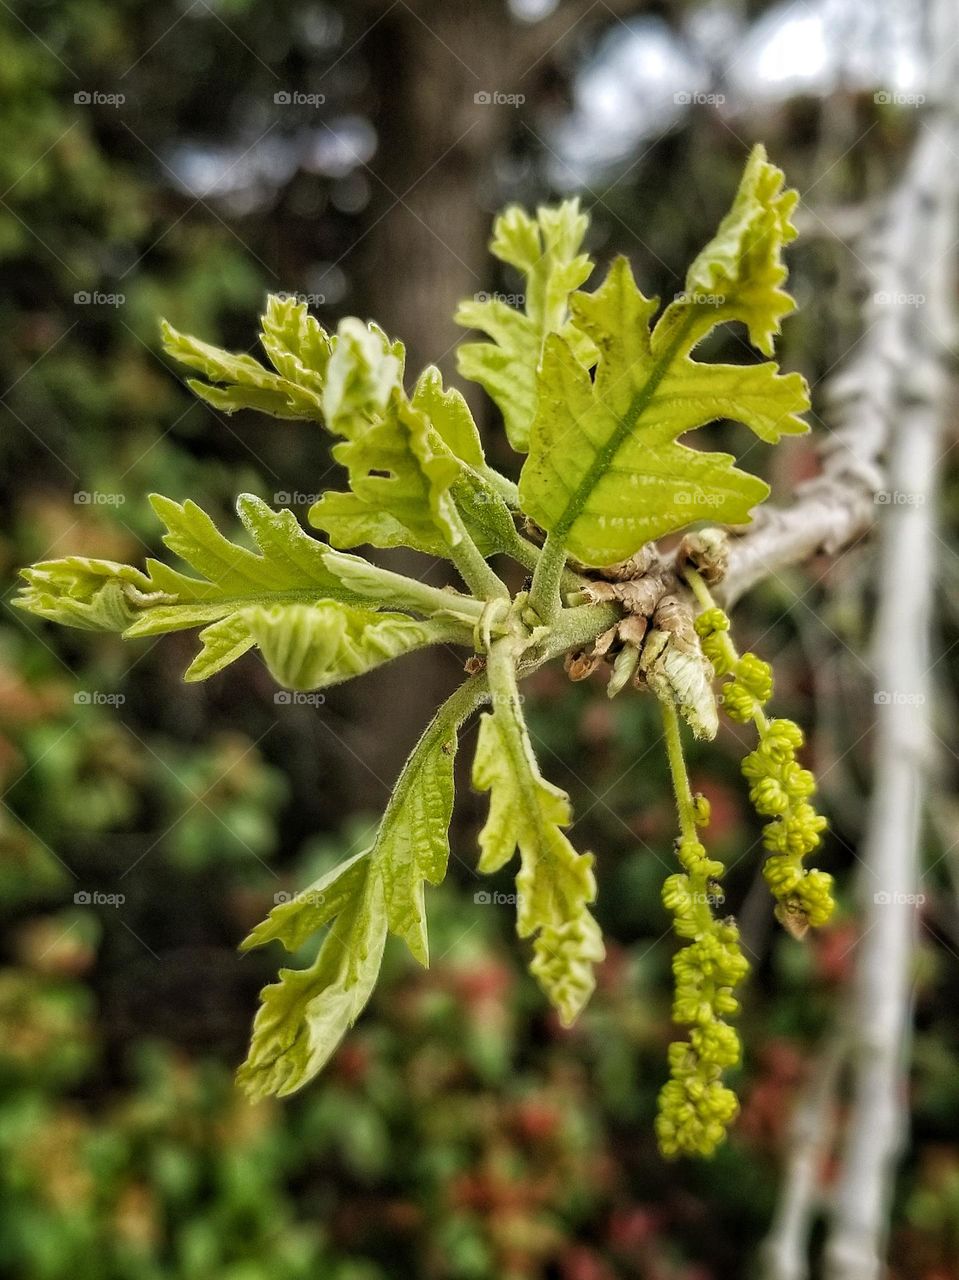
298	347
236	588
606	472
304	1016
738	275
546	251
313	646
555	883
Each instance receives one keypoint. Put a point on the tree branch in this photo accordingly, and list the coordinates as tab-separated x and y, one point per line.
785	1250
884	961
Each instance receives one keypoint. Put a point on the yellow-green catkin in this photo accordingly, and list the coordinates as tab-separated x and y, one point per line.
780	789
695	1106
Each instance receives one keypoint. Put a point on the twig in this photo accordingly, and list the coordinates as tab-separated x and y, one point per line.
784	1253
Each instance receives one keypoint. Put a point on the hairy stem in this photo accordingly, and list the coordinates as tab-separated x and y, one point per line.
478	575
544	597
387	587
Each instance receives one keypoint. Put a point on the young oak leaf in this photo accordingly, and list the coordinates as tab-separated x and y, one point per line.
299	349
605	472
738	275
400	472
313	646
555	883
304	1016
289	567
546	250
407	471
298	346
450	417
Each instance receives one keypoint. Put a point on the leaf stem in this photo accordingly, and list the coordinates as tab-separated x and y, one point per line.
389	588
478	575
544	594
506	489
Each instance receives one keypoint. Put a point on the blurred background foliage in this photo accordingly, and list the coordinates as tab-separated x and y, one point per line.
177	160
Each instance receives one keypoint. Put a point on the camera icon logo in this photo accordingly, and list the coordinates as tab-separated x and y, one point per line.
282	896
483	98
83	98
283	698
83	698
482	898
82	898
282	97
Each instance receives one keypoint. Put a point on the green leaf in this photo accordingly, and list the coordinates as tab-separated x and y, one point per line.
78	591
304	1016
555	883
605	472
546	250
410	462
295	920
221	643
313	646
477	490
102	595
298	347
450	417
400	472
739	273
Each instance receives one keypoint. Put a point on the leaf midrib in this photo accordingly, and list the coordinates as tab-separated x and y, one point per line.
605	455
